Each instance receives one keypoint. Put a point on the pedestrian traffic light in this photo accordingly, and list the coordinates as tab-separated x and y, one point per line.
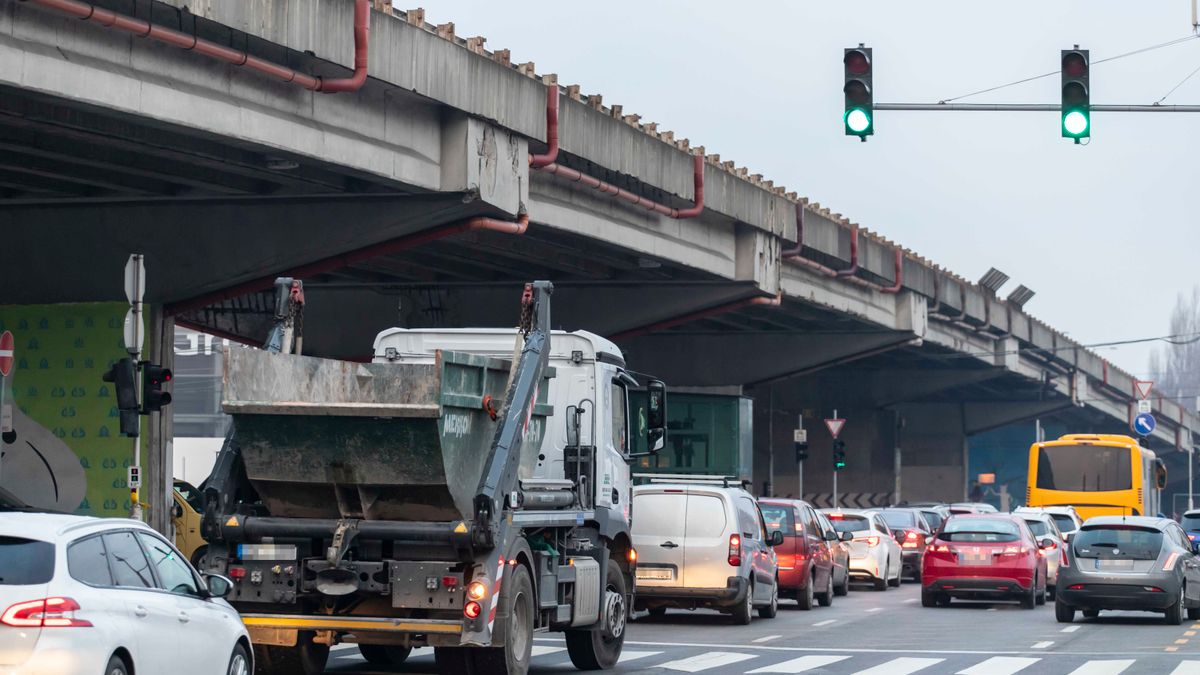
1076	95
123	376
153	378
859	117
839	455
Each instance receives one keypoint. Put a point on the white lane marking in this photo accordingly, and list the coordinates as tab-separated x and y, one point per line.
901	666
1187	668
999	665
1043	644
542	650
874	609
911	600
1103	667
695	664
767	638
801	664
991	609
1071	629
627	655
868	650
826	622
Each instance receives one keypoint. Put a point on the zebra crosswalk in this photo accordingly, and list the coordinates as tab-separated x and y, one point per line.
551	657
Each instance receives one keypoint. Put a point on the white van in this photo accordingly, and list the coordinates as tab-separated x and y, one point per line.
703	543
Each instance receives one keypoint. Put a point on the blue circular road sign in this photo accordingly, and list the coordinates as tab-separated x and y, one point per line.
1144	424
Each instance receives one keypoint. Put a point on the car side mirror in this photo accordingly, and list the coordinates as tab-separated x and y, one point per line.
832	536
847	536
1196	547
1069	537
776	538
218	586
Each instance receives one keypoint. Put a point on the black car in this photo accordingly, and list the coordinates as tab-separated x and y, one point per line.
1129	563
912	532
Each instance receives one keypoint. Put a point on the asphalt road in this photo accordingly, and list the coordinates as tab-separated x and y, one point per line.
877	633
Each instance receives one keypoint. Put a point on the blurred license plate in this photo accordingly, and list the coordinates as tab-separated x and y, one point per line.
975	557
1114	565
655	574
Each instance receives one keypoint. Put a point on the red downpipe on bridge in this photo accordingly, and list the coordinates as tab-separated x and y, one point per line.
796	255
362	21
349	258
694	210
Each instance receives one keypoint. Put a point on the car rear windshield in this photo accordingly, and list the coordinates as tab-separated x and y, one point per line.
845	523
1118	542
24	562
1064	522
1038	528
778	518
1191	523
979	530
899	519
1084	468
933	518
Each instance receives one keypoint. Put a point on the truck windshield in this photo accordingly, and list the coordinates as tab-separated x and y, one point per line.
25	562
1084	468
1118	542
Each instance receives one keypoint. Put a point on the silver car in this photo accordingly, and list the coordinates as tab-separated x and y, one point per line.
702	544
875	556
1050	541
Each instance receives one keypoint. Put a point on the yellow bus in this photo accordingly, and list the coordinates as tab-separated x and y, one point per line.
1098	474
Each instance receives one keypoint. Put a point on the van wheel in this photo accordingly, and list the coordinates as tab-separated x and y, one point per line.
844	587
514	628
825	599
306	658
384	655
742	613
116	666
600	647
769	611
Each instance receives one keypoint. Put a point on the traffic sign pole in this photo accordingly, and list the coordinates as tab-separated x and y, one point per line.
835	429
135	290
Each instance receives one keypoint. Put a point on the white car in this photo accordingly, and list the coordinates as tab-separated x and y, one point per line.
875	556
1050	540
91	595
1065	517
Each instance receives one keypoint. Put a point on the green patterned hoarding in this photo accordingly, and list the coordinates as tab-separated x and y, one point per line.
67	453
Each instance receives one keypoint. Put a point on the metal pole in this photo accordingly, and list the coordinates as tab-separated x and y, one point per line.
1031	107
799	464
835	470
1191	459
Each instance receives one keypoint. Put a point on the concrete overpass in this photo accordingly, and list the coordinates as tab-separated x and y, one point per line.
426	195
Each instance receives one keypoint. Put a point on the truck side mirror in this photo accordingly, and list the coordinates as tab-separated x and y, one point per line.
656	416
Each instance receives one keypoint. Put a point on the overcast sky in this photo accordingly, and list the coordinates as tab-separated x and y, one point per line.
1105	234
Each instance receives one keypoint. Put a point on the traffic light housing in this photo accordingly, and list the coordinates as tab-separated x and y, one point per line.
1076	94
801	451
154	377
839	455
859	117
123	376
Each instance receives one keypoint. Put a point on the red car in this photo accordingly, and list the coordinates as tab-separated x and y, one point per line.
806	569
984	557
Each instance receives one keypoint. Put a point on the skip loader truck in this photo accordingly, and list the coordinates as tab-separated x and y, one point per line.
455	493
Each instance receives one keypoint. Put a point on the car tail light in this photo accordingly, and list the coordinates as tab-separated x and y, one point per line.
1064	561
1152	589
735	550
1191	537
1170	563
911	540
1014	550
44	613
872	541
1076	587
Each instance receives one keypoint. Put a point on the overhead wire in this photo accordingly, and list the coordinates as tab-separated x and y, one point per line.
1142	50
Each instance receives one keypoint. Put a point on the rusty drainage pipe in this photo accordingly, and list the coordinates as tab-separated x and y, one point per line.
773	301
349	258
109	19
694	210
551	155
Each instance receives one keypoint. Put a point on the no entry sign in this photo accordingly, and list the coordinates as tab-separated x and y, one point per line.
6	353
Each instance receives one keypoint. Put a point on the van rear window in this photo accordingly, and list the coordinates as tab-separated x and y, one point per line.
24	562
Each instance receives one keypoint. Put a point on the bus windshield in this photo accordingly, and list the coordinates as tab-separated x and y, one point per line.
1084	468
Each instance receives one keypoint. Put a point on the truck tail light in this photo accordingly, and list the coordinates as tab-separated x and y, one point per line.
44	613
472	610
735	550
237	573
477	590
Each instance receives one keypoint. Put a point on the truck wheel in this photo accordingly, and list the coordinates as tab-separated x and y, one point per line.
306	658
384	655
514	628
600	648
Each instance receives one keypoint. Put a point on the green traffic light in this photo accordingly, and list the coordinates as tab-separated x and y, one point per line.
858	120
1075	123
